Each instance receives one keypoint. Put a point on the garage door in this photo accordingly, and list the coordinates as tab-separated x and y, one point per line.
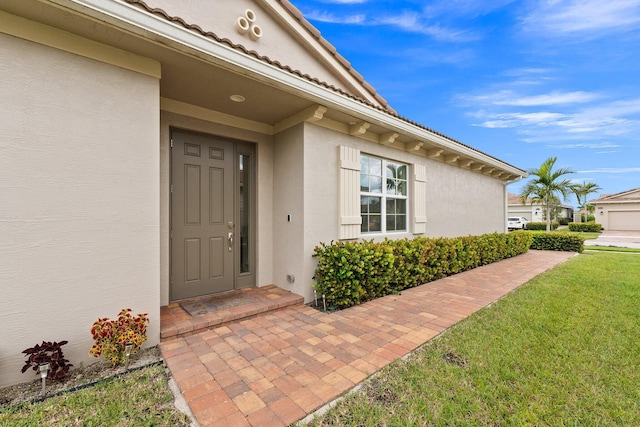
624	220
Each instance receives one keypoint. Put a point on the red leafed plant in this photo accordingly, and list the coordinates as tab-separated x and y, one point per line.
47	352
111	336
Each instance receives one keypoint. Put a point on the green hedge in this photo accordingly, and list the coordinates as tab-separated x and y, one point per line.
558	241
585	227
541	226
349	273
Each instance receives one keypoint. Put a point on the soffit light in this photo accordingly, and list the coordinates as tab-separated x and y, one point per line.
237	98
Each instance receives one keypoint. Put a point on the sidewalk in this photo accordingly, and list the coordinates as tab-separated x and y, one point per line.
276	368
620	239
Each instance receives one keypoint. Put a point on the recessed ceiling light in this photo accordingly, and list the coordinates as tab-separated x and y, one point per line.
237	98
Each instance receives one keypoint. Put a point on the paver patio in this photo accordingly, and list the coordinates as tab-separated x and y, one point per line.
275	368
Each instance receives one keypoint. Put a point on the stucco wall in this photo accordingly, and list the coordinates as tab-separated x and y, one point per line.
288	203
459	202
79	199
264	211
603	213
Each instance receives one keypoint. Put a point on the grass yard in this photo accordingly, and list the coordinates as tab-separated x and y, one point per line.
139	398
611	249
562	350
584	235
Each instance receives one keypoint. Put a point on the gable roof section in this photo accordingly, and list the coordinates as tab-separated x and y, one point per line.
386	109
284	14
632	195
295	12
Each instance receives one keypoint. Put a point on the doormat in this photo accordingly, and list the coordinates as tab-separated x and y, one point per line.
215	303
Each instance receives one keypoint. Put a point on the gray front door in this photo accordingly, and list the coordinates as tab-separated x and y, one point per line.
202	215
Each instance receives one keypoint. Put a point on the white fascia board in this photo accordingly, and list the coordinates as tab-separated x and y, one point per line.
133	19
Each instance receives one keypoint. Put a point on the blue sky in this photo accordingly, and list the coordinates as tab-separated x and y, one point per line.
519	80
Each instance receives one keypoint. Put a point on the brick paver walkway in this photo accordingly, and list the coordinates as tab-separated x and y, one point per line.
275	368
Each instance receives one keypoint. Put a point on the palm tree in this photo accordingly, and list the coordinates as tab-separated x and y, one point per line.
546	183
582	192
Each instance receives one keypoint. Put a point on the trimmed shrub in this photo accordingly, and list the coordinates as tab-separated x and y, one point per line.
563	242
585	227
541	226
564	221
349	273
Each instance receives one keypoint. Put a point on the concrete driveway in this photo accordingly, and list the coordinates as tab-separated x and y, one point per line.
621	239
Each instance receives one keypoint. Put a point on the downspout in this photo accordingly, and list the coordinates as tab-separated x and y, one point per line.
506	201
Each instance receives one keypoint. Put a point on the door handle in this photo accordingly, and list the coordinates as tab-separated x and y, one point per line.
230	240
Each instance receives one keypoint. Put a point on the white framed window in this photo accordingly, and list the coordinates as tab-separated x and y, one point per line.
384	195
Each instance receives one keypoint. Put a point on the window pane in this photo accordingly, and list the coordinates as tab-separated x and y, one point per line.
391	206
364	182
374	204
391	186
375	184
402	188
364	205
391	223
364	227
401	206
245	209
364	165
374	223
375	166
401	222
392	170
402	172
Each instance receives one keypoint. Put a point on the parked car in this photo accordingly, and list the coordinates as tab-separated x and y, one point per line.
517	223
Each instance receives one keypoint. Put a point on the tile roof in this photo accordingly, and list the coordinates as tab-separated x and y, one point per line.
604	197
316	33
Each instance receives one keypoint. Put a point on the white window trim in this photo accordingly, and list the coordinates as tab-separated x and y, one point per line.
384	196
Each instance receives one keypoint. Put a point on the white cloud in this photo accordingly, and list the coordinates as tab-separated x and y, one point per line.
511	98
414	22
585	145
611	170
588	18
321	16
464	7
408	21
553	98
557	115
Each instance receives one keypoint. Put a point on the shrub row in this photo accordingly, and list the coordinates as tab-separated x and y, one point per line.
541	226
559	241
585	227
349	273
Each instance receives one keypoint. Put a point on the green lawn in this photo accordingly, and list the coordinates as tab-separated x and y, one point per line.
139	398
562	350
584	235
611	249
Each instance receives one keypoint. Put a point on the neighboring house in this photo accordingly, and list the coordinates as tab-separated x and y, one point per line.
534	211
152	152
619	211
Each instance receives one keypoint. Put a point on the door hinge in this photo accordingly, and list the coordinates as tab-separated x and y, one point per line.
171	143
171	188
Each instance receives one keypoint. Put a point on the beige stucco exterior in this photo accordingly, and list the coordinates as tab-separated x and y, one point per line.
619	211
534	211
79	199
90	96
